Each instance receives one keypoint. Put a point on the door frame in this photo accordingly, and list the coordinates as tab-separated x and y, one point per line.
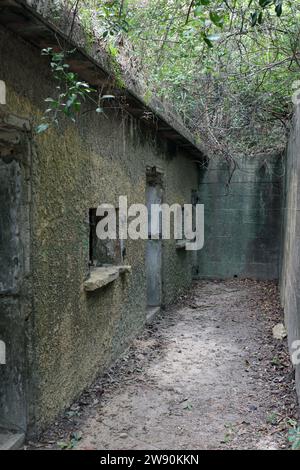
155	177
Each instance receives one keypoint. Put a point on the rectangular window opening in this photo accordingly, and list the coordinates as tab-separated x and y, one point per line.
104	252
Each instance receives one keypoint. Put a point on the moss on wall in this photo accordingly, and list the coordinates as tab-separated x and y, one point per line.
76	335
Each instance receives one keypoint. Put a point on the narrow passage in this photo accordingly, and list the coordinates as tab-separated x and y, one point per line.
207	374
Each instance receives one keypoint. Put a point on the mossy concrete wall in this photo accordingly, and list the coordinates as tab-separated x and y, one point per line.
15	297
74	335
242	218
290	272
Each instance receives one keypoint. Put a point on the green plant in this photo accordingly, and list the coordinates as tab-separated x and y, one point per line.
72	442
113	54
272	418
294	438
113	16
71	92
87	25
230	77
227	66
229	434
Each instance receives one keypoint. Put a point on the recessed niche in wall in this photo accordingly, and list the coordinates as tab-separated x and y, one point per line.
104	252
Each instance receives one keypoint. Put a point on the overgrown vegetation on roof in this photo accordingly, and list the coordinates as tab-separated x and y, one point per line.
228	66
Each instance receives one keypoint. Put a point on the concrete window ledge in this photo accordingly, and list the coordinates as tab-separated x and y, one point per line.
100	277
180	244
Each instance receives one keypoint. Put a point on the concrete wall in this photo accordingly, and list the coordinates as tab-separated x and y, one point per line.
243	220
72	335
290	272
14	288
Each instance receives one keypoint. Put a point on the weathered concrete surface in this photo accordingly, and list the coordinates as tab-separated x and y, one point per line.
11	440
290	273
100	277
75	334
243	221
14	285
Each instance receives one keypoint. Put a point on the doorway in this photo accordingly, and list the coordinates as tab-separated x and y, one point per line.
154	195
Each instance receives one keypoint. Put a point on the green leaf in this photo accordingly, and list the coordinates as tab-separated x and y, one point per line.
207	40
254	18
77	435
76	106
294	438
278	7
198	11
71	101
188	407
265	3
47	51
63	445
216	19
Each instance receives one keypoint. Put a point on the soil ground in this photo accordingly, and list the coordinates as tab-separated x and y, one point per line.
207	374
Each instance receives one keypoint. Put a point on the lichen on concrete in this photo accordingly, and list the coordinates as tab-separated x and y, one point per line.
73	335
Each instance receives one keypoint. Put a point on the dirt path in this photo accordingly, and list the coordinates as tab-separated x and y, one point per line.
207	375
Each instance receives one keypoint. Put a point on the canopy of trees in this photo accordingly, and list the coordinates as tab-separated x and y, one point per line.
227	66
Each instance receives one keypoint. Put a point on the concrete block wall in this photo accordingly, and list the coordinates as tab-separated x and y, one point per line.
242	219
